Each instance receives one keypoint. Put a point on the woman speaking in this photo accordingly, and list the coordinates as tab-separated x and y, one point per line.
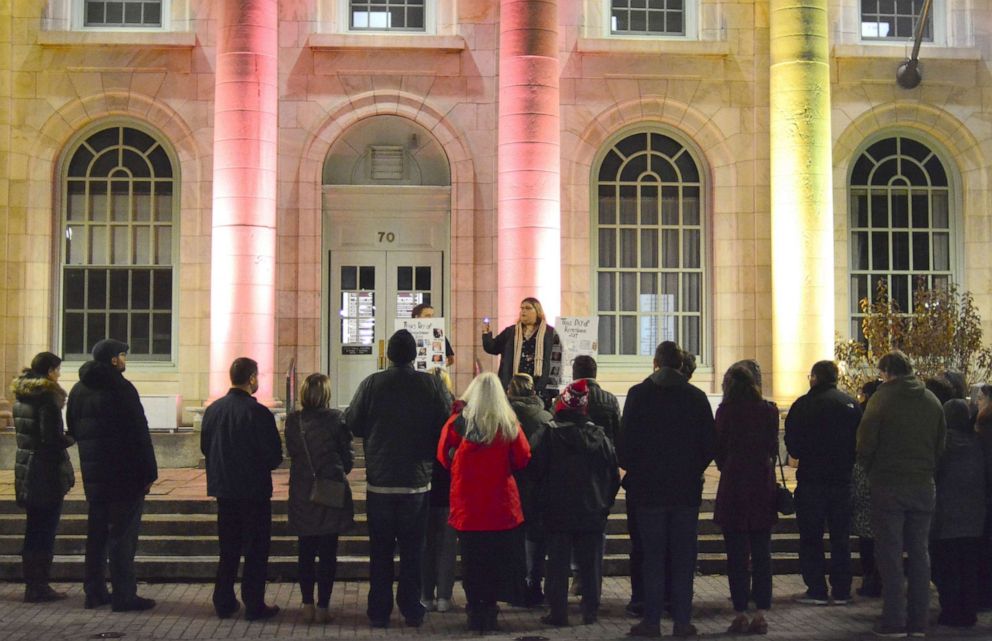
524	347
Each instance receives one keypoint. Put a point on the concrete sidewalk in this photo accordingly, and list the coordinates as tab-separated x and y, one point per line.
184	612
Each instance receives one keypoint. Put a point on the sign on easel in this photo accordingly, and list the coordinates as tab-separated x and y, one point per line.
429	334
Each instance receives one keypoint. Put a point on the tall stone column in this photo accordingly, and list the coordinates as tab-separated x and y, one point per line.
529	161
801	198
243	247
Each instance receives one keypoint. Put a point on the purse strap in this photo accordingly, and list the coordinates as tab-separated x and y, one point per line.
781	468
306	450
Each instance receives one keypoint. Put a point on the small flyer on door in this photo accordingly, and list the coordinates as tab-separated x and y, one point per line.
429	334
579	335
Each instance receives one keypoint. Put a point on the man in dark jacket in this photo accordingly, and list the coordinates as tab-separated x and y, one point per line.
667	440
821	431
105	416
241	445
398	413
900	441
575	468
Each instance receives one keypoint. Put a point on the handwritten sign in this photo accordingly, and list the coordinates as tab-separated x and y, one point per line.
579	336
429	334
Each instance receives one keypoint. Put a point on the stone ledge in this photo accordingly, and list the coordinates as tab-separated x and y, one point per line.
144	39
351	41
902	51
653	46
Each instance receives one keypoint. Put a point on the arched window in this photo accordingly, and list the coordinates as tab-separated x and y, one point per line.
650	254
118	244
901	223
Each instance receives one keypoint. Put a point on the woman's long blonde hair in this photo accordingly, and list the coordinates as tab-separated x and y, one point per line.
487	413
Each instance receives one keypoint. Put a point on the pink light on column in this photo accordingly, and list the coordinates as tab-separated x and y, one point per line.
529	163
243	241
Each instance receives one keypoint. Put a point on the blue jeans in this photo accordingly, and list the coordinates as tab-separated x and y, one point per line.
900	518
112	532
587	549
818	505
670	531
396	520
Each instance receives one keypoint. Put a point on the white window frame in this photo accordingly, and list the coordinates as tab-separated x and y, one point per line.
61	258
954	220
79	20
705	355
938	16
690	20
430	22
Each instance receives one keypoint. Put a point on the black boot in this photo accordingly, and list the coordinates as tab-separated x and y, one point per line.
474	616
489	623
36	567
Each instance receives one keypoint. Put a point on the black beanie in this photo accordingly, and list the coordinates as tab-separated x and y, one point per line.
108	349
958	415
402	348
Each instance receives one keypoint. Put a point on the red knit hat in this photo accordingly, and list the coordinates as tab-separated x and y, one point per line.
575	398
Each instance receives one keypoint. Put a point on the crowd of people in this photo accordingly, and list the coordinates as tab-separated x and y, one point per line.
522	482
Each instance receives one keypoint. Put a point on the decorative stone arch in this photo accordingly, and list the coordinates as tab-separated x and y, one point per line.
329	127
707	141
968	171
43	172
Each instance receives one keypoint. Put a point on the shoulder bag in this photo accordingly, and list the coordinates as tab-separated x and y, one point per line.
326	492
785	503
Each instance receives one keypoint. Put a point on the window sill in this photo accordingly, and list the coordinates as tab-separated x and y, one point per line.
620	44
902	51
144	39
390	41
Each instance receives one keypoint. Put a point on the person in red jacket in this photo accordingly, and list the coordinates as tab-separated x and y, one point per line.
482	444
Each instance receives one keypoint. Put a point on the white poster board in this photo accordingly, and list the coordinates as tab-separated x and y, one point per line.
429	334
579	336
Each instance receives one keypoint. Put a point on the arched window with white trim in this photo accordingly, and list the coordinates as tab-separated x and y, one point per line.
901	223
650	246
118	244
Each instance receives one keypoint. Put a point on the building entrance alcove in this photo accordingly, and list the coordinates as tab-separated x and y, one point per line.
385	242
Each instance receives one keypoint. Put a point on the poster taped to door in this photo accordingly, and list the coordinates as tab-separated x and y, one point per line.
429	334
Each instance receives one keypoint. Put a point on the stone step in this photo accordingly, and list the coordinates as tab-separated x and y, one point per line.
164	569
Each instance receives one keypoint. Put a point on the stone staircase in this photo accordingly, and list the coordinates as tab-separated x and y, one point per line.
178	535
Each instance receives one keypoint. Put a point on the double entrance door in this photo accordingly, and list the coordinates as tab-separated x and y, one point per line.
368	291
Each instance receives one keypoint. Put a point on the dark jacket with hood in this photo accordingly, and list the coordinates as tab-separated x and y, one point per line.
821	431
902	434
328	442
240	442
961	501
604	409
42	470
666	441
575	467
106	418
399	412
533	421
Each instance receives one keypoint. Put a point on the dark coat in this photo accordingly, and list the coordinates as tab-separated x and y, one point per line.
329	443
502	346
399	413
240	442
960	508
666	441
604	409
821	431
533	421
575	467
106	418
42	470
747	443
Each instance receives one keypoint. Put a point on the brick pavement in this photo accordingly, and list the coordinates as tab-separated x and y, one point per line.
184	612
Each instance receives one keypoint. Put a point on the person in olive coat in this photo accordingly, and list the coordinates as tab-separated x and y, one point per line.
319	444
42	471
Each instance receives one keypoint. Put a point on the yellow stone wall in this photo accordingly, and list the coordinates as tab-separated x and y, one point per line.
712	91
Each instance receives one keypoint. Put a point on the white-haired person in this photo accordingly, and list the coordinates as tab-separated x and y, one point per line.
482	444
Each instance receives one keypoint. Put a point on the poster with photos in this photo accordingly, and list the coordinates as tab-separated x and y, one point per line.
429	334
579	335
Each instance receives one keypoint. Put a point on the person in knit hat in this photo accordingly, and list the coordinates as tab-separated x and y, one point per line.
575	467
398	413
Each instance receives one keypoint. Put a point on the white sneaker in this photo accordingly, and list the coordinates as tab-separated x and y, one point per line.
429	604
443	605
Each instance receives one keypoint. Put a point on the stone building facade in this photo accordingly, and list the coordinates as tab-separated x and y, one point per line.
230	179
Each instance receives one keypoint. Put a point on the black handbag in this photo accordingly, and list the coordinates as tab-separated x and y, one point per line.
326	492
785	503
